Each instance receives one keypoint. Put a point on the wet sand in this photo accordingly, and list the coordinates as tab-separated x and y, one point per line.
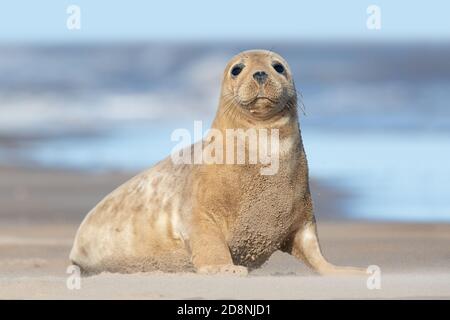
40	211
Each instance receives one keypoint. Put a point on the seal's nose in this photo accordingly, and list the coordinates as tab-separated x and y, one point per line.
260	76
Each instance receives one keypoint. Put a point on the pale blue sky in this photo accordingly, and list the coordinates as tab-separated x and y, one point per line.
45	20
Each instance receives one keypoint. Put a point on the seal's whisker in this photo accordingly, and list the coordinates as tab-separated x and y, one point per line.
229	104
301	104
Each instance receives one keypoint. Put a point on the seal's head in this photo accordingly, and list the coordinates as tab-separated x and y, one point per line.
259	84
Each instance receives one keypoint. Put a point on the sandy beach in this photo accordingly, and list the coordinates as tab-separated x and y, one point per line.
91	96
41	209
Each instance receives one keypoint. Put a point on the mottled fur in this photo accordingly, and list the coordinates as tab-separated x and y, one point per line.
218	218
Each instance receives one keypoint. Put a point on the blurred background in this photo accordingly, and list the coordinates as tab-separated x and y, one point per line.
83	110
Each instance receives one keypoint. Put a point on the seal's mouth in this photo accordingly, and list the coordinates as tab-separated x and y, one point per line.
258	99
265	98
261	107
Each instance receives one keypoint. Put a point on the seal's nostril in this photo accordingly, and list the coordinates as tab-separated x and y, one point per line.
260	76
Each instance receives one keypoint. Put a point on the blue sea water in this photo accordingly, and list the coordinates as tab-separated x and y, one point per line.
394	176
377	118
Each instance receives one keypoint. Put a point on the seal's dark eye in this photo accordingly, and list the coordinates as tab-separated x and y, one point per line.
278	67
237	69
